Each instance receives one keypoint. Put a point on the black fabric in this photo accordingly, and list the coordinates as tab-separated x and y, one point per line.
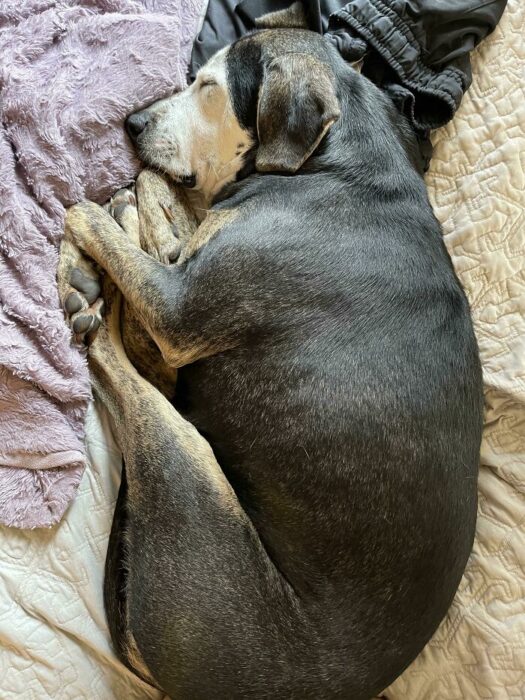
421	49
417	51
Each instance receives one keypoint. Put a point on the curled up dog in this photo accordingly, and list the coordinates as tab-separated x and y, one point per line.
289	363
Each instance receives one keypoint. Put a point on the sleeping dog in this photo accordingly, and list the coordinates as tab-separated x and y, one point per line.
301	440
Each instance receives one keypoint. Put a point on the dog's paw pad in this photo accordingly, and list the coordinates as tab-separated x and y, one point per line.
88	286
122	203
86	321
74	302
83	323
118	211
83	305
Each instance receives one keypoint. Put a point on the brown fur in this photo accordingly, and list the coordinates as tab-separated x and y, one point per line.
163	208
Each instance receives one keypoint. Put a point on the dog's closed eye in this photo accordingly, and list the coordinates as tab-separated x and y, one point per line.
207	82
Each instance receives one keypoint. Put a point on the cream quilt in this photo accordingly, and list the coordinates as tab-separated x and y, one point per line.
53	638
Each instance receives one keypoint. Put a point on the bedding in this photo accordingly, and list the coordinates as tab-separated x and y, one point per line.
69	73
54	642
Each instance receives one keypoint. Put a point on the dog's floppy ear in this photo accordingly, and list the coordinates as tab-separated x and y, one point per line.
297	105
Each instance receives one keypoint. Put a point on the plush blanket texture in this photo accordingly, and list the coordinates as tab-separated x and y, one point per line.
70	71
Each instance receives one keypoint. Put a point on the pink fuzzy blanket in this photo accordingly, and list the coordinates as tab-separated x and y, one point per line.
70	71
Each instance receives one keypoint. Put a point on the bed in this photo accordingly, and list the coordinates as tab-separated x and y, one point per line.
54	641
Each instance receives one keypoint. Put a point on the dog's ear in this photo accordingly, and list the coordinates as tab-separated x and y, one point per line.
297	105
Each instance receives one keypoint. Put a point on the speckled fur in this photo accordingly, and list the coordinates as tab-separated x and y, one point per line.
297	523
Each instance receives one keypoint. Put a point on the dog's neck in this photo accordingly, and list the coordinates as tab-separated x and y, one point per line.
203	198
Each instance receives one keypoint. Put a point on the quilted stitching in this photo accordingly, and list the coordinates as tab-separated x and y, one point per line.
54	643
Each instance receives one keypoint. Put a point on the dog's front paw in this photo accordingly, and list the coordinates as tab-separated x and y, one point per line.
123	208
159	217
79	290
83	305
158	238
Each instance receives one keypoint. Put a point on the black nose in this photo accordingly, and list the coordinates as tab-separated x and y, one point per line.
136	123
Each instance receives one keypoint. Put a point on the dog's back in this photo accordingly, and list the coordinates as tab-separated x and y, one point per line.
348	420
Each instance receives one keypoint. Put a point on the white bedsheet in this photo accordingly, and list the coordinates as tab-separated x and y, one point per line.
53	636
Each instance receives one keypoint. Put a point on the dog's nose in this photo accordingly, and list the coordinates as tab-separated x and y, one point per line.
136	123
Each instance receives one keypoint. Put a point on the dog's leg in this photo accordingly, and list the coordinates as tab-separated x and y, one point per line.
162	242
200	607
155	290
165	215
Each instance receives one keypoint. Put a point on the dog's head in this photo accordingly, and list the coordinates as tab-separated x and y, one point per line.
273	91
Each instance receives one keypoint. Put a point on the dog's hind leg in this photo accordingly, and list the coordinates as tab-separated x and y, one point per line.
203	610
